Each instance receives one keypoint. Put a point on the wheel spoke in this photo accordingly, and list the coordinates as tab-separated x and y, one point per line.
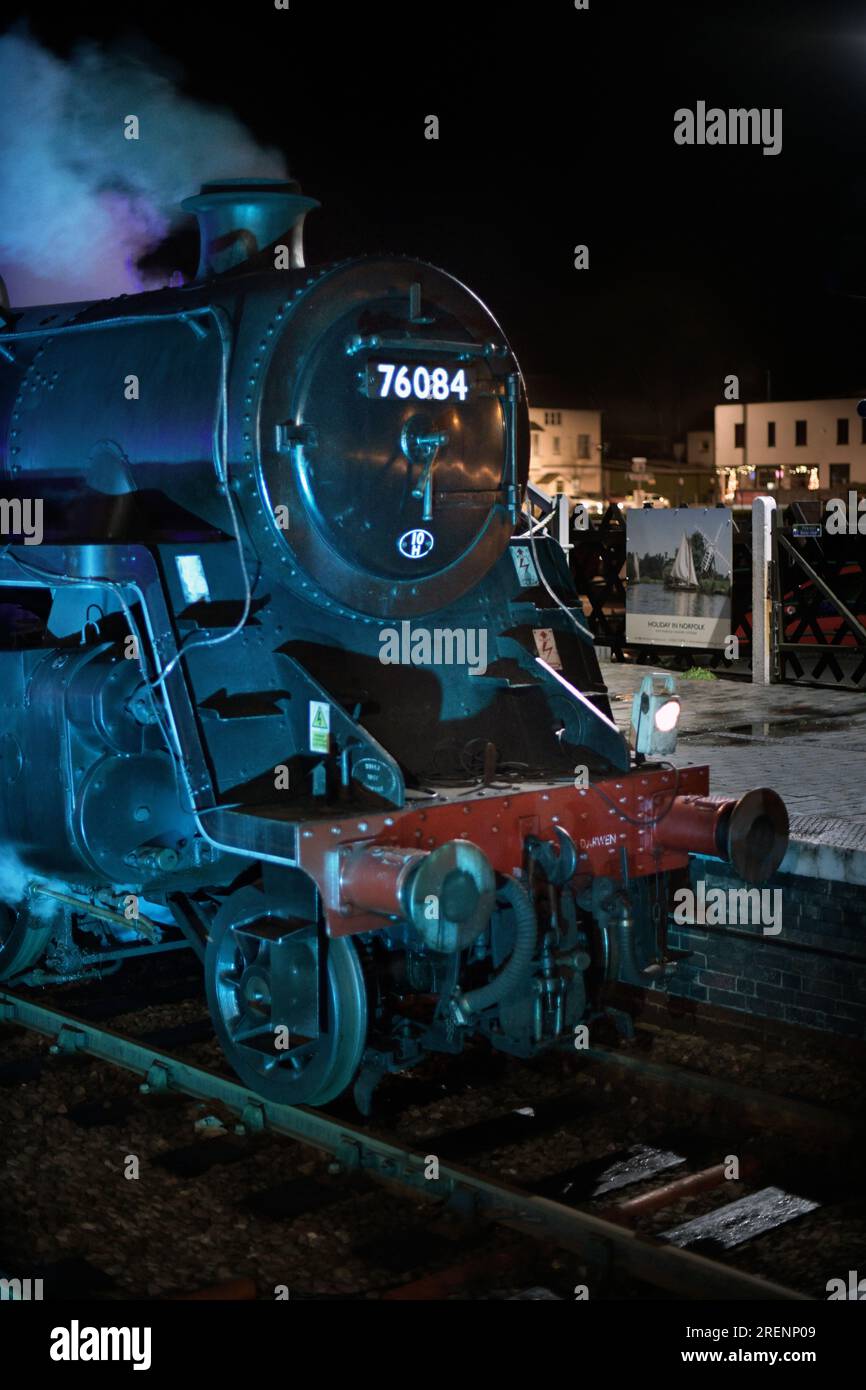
248	946
248	1027
297	1057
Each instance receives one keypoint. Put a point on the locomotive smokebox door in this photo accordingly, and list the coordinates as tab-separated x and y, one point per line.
396	443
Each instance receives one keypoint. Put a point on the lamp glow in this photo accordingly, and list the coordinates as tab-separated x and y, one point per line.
667	716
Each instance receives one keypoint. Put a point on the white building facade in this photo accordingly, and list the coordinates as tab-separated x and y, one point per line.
790	447
566	451
700	448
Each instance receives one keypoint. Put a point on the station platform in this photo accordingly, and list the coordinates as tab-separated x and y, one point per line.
808	743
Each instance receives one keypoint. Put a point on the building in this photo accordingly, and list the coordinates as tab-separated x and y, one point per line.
660	469
666	481
566	451
700	449
793	448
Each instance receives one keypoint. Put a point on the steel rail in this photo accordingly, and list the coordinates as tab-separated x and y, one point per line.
599	1242
781	1114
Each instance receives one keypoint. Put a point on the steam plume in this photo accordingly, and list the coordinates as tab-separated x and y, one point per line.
15	879
79	203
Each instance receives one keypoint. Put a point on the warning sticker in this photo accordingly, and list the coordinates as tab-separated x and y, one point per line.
320	727
545	645
527	574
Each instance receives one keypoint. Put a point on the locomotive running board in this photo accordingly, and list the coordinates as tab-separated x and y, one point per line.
596	1240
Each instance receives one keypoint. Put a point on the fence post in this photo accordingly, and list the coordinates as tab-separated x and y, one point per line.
762	552
562	519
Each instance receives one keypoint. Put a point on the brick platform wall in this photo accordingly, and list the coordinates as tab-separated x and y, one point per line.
813	973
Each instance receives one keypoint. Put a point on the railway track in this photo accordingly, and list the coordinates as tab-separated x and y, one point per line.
605	1237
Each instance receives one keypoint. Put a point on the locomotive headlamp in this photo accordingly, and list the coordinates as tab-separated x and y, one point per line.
655	715
667	716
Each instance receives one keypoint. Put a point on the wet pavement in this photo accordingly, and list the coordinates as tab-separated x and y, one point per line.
809	744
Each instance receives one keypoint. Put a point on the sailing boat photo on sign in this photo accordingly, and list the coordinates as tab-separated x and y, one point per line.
678	572
682	575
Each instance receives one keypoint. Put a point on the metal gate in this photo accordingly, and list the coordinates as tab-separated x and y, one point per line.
597	563
818	587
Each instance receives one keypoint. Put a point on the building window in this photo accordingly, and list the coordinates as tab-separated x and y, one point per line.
771	434
535	443
556	443
553	417
841	431
840	475
739	436
583	446
705	444
800	433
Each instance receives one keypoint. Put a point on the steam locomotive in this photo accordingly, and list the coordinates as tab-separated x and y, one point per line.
290	679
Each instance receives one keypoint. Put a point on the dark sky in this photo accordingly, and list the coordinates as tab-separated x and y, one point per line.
557	129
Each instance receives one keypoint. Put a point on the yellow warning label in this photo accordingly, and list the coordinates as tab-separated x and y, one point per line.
320	727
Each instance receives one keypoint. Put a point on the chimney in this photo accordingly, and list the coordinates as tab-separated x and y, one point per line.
238	218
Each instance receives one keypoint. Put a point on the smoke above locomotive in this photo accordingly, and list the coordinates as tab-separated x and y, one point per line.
246	480
99	149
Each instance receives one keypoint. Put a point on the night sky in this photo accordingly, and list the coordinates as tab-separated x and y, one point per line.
557	129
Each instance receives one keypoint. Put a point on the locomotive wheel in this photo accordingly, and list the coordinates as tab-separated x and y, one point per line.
22	941
288	1004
